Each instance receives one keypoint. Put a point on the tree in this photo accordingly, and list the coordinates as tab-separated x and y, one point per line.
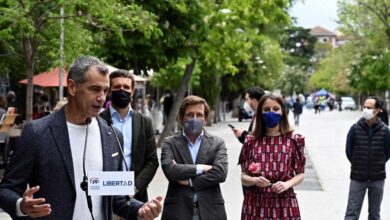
370	36
175	44
333	70
371	73
214	37
31	23
229	35
293	80
299	47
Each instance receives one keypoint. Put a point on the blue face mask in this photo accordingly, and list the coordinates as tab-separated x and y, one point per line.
271	119
193	126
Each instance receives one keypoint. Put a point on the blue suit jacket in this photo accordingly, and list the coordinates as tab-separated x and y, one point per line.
43	157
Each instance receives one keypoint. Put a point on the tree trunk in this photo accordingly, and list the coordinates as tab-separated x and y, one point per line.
170	122
29	58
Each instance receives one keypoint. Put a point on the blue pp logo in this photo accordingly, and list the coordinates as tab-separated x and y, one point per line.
94	180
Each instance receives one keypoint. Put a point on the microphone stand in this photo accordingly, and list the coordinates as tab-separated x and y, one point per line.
123	157
84	183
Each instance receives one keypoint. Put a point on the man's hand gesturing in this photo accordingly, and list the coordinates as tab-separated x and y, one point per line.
151	209
34	207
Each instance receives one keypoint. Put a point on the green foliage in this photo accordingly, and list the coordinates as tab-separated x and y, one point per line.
333	70
40	22
299	48
367	25
293	80
242	46
366	20
179	30
235	42
225	37
169	78
321	51
31	29
299	44
372	73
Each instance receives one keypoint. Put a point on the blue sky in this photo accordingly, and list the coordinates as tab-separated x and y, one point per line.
311	13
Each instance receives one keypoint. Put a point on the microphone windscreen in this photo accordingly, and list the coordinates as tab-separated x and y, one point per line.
88	120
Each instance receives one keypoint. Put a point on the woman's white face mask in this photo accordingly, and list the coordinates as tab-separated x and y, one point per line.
368	113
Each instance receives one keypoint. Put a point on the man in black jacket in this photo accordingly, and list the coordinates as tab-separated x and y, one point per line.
297	110
368	149
48	164
139	141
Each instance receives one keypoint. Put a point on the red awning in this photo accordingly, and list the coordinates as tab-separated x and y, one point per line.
51	78
47	79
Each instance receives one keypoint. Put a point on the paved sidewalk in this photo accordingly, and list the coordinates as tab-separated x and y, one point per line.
325	145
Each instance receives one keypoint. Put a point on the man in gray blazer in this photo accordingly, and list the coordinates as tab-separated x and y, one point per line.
44	175
137	129
195	163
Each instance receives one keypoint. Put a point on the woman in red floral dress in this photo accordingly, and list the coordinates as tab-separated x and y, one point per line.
272	163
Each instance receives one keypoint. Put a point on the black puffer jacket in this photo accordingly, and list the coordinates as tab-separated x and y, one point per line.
368	151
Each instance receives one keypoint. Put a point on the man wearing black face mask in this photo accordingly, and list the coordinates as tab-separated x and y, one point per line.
139	141
195	163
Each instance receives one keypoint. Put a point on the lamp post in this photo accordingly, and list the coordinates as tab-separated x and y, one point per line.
61	69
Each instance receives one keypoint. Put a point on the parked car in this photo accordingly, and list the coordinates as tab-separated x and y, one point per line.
348	102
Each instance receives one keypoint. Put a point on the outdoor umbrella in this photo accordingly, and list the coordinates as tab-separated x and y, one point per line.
47	79
51	78
321	92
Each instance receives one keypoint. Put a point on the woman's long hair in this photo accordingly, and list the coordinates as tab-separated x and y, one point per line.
260	128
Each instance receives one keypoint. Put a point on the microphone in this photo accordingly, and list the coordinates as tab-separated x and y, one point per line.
84	183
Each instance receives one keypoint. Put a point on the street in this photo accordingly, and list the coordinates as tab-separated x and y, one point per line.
329	172
325	144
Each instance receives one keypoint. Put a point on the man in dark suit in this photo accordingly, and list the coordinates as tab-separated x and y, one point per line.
44	175
195	163
139	141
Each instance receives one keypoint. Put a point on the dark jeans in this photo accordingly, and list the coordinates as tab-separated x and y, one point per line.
357	192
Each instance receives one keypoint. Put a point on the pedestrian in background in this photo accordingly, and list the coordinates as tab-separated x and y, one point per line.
167	104
195	163
252	97
339	103
272	163
317	104
368	150
11	99
287	104
297	110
